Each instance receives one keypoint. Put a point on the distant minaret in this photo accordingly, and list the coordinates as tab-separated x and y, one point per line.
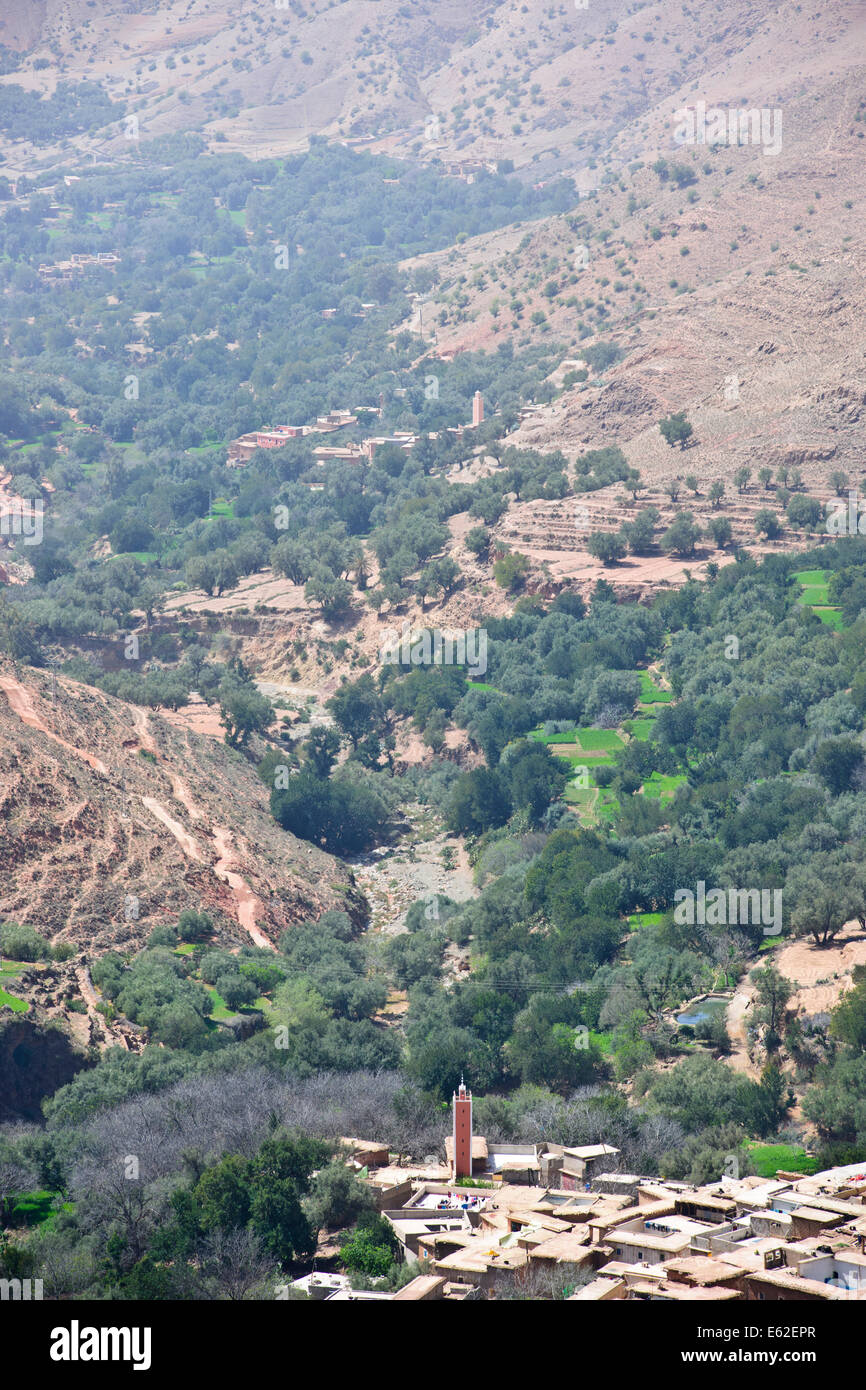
478	409
462	1107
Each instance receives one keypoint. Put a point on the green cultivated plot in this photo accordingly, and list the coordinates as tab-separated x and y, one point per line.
640	728
18	1006
789	1158
37	1209
609	806
816	595
663	785
584	798
595	740
651	694
221	1010
645	919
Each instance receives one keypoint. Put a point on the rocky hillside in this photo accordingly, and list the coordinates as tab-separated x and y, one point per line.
553	85
114	821
726	278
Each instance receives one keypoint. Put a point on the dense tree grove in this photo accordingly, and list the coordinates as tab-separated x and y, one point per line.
250	293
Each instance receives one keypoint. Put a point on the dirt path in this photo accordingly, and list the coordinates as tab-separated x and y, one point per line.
249	906
188	844
21	703
820	974
736	1022
142	727
179	789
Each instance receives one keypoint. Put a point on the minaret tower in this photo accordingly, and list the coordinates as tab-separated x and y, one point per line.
462	1108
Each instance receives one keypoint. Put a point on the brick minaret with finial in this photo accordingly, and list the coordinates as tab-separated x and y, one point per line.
462	1108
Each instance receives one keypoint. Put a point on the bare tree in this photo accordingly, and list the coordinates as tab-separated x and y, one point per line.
235	1266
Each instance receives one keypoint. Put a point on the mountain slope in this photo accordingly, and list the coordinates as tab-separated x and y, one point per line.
729	279
114	821
552	84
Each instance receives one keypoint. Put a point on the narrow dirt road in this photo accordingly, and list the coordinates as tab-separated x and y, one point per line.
736	1022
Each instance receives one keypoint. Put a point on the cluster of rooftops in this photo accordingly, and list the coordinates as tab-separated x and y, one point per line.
617	1235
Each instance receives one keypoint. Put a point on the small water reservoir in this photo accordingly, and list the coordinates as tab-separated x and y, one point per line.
702	1011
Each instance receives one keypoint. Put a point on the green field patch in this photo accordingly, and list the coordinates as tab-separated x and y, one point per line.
18	1006
569	752
146	557
832	617
817	595
636	920
584	798
663	785
221	1010
650	693
603	1041
640	728
598	740
790	1158
36	1208
572	753
769	942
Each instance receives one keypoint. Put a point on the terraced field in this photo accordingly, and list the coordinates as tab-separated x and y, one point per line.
816	595
588	749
